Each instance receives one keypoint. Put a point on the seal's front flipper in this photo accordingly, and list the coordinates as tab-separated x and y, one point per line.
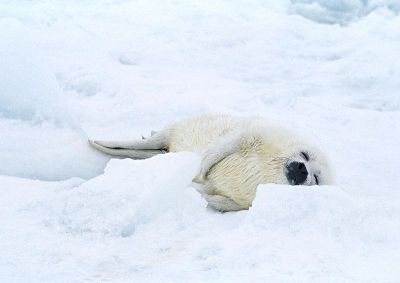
124	152
219	149
222	203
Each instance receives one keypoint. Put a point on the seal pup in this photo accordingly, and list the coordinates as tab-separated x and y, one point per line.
237	154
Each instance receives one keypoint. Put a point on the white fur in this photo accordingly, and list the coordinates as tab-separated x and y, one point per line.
238	154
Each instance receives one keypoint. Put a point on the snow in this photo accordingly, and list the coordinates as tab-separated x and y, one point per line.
29	89
119	69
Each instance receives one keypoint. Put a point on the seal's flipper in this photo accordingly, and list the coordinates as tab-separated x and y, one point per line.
157	141
131	153
219	149
222	203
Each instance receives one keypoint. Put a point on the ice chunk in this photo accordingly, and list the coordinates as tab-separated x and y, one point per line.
340	11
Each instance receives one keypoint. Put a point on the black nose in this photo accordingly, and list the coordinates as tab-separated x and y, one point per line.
296	173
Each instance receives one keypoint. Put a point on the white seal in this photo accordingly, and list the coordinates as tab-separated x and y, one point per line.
237	155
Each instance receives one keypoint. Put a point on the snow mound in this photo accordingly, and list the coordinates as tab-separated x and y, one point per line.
141	221
301	208
39	138
28	88
47	152
131	193
323	210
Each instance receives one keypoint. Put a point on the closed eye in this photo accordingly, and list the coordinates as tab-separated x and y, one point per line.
316	179
305	155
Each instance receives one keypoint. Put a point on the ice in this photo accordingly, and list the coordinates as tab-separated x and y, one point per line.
341	11
106	70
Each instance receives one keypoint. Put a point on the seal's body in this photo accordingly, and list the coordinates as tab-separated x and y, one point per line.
237	155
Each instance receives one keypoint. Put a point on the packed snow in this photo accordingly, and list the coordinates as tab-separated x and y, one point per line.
73	70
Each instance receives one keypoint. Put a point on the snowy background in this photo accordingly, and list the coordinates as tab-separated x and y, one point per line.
116	69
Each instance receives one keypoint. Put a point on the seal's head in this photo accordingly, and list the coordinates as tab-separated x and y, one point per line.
307	166
289	159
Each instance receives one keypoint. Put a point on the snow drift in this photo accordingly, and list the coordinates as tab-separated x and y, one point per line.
39	137
142	220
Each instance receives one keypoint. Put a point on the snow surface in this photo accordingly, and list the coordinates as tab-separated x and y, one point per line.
107	69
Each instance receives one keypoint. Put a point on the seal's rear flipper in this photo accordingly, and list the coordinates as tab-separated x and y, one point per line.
158	140
125	152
